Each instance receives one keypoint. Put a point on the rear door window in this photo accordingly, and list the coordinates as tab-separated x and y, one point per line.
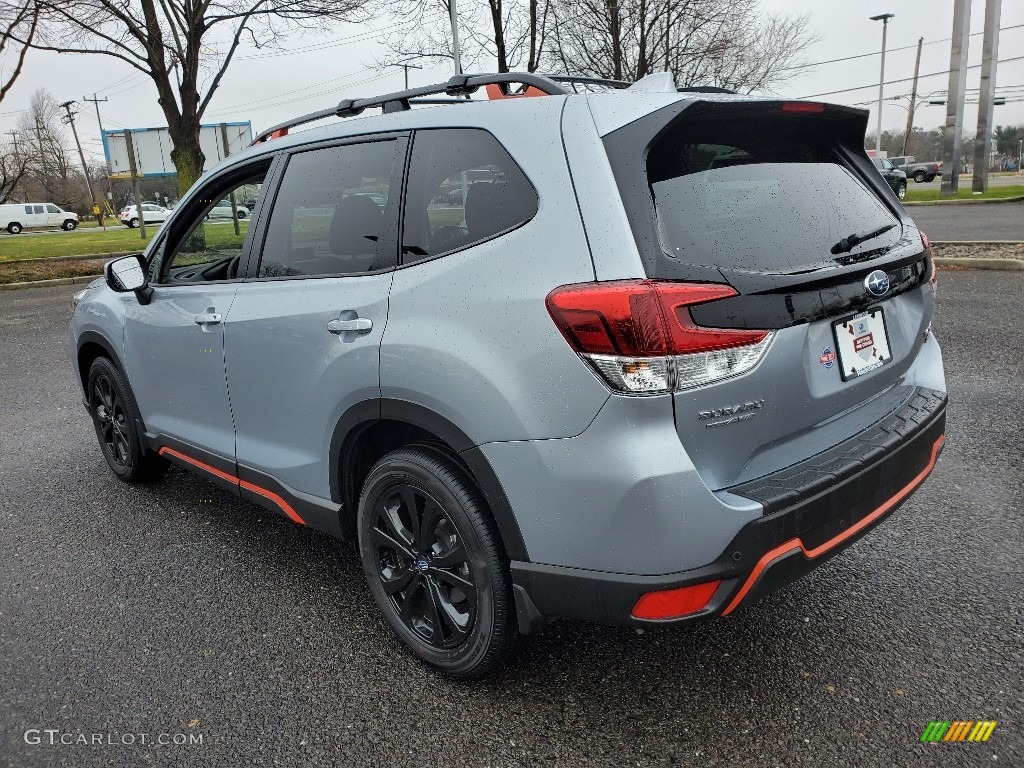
464	188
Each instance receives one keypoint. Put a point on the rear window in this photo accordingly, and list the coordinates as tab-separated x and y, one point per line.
752	196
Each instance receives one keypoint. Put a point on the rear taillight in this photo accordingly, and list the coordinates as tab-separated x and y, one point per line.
640	337
805	107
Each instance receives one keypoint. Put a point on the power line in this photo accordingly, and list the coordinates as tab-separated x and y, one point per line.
903	79
890	50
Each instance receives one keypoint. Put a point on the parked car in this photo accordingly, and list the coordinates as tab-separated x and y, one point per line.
15	217
919	172
895	178
222	210
623	382
151	212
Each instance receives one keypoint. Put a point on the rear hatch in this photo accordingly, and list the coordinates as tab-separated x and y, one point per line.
778	201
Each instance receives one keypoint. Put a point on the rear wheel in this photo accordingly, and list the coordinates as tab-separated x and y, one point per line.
240	214
133	222
920	177
901	191
434	562
69	225
14	228
114	415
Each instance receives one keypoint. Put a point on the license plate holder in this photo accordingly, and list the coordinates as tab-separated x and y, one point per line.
862	343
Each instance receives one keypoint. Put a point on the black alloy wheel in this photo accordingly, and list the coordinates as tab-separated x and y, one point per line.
114	415
434	561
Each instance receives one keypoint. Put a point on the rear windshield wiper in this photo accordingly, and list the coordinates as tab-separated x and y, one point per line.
847	243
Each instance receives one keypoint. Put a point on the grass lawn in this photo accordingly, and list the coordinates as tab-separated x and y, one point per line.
964	193
116	239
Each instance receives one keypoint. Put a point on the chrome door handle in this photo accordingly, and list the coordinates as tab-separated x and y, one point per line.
209	317
358	324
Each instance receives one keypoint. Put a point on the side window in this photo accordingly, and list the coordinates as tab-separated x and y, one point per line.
52	209
211	236
463	188
38	209
329	213
28	209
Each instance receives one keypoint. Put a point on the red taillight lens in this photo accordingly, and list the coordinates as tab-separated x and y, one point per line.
675	603
805	107
641	318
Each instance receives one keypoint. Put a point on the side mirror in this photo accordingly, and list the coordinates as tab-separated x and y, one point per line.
125	275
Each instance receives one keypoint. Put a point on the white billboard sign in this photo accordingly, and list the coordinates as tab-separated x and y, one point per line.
153	148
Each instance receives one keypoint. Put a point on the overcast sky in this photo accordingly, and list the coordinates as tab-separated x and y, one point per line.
312	72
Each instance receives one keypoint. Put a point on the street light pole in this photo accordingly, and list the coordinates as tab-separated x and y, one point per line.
455	37
884	18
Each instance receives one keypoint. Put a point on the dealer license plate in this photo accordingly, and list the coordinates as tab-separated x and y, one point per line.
862	343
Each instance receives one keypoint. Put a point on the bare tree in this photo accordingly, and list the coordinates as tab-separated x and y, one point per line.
50	171
510	33
16	35
725	43
183	46
13	167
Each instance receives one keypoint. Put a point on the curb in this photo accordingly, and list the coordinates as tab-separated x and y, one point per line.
86	257
1009	265
967	201
976	242
49	283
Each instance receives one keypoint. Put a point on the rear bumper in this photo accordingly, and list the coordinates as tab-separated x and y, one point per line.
812	511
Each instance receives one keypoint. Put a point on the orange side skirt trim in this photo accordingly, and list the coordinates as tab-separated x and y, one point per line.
797	543
269	495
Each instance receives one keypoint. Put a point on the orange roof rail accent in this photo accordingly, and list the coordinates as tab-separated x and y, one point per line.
496	91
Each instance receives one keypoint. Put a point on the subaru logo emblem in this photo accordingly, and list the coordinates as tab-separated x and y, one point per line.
422	565
877	283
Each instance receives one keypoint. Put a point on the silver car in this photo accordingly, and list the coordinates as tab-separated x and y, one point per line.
626	381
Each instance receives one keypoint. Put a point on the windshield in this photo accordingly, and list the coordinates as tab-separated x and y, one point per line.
743	197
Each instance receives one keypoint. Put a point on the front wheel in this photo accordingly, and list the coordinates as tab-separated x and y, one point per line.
434	562
240	214
114	415
14	228
69	225
901	191
920	177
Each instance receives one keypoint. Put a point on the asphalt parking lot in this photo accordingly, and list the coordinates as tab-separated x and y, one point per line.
969	222
178	609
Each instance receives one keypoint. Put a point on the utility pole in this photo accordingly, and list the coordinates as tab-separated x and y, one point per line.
17	158
406	67
913	96
955	97
135	182
70	119
42	151
96	103
884	18
986	96
455	37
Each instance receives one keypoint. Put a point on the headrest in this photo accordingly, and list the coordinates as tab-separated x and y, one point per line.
356	226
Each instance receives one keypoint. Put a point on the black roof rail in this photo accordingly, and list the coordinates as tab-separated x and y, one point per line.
589	81
399	101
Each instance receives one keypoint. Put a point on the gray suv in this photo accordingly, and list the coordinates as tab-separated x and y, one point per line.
630	355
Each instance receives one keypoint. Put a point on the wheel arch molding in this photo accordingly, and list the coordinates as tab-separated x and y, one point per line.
376	426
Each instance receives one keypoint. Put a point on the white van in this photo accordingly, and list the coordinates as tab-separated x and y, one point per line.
15	217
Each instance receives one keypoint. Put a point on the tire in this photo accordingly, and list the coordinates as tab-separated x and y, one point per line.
240	214
14	228
69	225
446	592
133	222
114	414
920	177
901	191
